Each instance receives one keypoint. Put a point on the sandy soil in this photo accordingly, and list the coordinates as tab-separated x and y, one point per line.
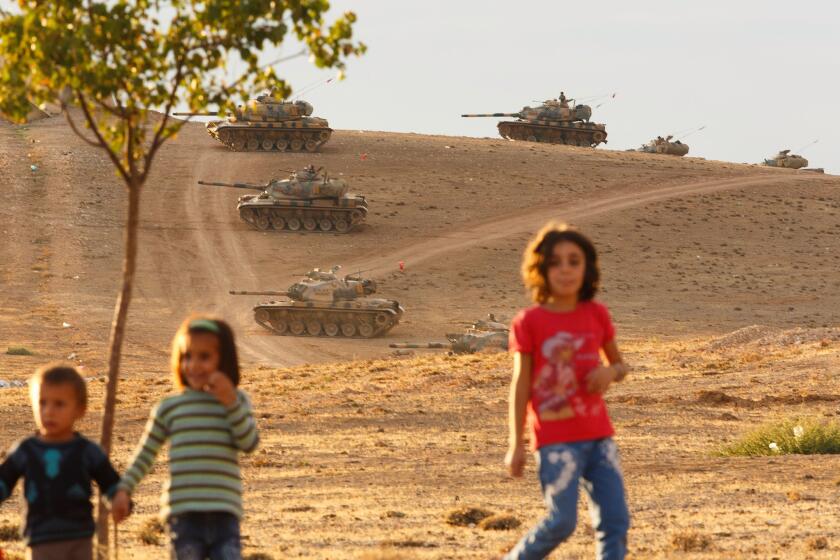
364	450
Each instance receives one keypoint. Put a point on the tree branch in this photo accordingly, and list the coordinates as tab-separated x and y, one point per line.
120	114
102	143
129	151
160	134
72	124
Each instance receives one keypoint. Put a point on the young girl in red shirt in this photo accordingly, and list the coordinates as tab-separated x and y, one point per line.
559	381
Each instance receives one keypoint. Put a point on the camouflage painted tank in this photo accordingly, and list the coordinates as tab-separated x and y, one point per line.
665	146
269	124
324	304
305	201
482	336
554	122
786	159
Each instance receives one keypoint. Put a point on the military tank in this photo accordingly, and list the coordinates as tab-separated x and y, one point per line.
269	124
786	159
486	335
554	122
305	201
665	146
324	304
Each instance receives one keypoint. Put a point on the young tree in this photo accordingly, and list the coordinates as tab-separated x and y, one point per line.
119	69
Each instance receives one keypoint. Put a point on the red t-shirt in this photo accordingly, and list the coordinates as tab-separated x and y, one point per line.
564	348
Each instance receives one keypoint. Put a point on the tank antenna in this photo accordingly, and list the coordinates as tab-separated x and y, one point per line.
687	134
808	145
610	98
313	87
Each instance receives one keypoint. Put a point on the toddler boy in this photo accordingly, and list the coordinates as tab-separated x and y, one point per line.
57	465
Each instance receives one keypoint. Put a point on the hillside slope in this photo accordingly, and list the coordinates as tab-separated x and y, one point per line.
687	245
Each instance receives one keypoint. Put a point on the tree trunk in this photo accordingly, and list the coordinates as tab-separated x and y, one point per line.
115	348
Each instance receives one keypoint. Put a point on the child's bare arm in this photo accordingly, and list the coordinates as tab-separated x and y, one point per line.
121	506
615	360
520	391
599	379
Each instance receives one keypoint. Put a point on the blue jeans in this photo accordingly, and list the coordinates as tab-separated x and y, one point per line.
561	467
201	535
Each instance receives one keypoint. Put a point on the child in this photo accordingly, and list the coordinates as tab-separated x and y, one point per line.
558	376
57	465
208	423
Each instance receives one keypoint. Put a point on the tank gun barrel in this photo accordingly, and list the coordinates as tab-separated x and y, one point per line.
196	114
248	186
518	115
247	293
418	345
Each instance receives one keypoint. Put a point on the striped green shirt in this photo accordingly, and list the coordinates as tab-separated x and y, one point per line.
205	440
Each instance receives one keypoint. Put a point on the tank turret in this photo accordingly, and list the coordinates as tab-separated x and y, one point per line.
267	123
481	336
554	122
548	111
324	304
787	160
307	201
667	146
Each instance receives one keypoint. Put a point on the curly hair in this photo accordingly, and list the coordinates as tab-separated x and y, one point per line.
228	360
537	256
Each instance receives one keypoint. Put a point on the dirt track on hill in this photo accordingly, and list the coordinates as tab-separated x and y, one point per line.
435	202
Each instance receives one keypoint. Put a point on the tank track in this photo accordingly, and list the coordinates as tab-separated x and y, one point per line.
570	136
272	139
324	220
325	322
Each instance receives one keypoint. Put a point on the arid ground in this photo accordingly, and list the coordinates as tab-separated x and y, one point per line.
722	279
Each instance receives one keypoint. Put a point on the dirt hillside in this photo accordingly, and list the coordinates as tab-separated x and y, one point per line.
374	451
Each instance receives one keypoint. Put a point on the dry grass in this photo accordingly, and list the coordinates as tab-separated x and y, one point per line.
151	532
467	516
690	541
500	522
384	554
369	459
9	532
817	543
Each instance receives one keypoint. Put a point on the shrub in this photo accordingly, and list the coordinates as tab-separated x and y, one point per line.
786	437
467	516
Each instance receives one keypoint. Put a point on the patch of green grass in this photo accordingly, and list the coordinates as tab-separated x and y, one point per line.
789	436
19	351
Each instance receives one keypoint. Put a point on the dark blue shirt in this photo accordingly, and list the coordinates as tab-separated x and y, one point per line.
57	486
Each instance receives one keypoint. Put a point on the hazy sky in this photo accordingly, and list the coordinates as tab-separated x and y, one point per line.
761	75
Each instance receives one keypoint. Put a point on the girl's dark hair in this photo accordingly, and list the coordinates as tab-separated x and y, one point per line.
228	360
538	255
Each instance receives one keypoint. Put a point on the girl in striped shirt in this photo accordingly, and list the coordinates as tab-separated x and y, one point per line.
208	422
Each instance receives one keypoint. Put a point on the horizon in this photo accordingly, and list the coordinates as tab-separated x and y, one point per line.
672	67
